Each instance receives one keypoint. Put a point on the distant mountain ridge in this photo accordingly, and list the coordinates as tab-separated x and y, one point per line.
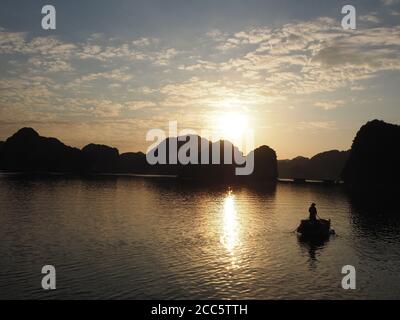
372	162
265	161
326	165
27	151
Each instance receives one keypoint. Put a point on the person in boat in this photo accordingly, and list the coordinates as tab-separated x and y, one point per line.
313	212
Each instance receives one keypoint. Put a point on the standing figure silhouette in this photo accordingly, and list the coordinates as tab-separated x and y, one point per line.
313	213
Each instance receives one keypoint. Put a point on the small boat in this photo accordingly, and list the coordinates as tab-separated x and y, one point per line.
318	229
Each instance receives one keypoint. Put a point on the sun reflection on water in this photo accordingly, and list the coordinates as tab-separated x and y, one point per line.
230	232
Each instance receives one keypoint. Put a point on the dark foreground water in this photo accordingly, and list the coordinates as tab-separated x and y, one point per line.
148	238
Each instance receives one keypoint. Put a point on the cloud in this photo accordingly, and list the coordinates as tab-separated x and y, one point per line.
120	75
389	2
98	108
318	55
98	52
114	85
216	35
325	125
223	41
253	69
52	47
163	57
143	49
357	88
50	66
328	105
369	18
144	42
11	41
137	105
255	35
216	94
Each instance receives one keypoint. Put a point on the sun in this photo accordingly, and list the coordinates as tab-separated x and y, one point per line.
232	126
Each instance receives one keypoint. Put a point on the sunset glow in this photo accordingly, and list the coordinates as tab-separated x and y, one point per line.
232	126
303	84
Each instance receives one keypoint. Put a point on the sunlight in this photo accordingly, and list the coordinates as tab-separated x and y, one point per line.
232	126
230	236
230	103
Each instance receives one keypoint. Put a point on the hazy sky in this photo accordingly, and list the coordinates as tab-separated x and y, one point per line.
112	70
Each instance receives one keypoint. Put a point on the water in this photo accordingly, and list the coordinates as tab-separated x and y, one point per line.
149	238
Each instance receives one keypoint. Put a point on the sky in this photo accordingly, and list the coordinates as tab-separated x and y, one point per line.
113	70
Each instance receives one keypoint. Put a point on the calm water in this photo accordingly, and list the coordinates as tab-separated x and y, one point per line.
147	238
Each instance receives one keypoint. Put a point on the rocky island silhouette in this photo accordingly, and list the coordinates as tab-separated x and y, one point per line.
372	160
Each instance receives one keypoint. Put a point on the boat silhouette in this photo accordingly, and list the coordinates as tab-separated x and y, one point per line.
318	229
